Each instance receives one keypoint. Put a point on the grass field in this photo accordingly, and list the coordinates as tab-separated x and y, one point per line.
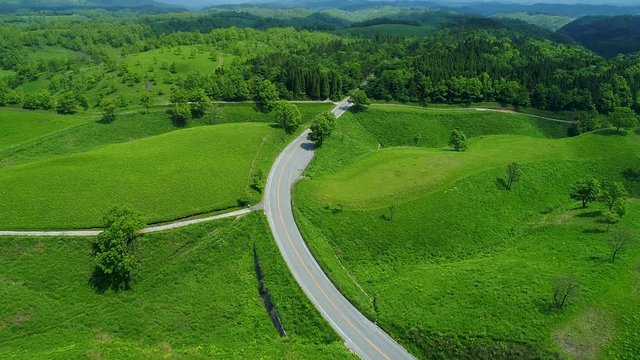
17	127
457	266
195	296
165	177
139	159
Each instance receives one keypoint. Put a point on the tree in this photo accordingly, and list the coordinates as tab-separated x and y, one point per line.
565	290
513	174
458	140
146	100
216	115
322	127
67	104
619	242
108	108
611	218
586	191
181	114
623	117
289	116
113	249
613	192
200	104
359	99
266	96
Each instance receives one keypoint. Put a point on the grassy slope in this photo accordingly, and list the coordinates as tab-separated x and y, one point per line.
17	127
496	269
167	176
195	296
146	173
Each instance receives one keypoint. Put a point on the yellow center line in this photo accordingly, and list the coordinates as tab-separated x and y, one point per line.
305	266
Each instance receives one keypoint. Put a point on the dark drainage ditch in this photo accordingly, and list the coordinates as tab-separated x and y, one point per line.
266	297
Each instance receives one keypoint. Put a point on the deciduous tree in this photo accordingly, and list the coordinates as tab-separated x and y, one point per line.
513	174
458	140
585	191
113	249
623	118
613	192
565	290
289	116
620	241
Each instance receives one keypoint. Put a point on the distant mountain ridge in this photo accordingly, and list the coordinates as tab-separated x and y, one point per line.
605	35
55	4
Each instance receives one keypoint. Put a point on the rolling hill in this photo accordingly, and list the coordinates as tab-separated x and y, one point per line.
607	36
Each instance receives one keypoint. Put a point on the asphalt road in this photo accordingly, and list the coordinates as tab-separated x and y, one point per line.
362	336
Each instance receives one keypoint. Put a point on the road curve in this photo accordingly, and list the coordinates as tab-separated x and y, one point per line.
362	336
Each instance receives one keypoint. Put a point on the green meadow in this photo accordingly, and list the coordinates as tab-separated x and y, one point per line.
18	127
195	296
68	178
427	241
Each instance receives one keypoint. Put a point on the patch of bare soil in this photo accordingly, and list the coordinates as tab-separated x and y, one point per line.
584	337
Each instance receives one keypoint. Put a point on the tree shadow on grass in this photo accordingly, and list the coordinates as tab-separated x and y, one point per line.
590	214
101	282
610	132
501	183
594	231
597	259
637	131
544	306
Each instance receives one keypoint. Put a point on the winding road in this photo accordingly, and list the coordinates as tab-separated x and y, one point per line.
362	336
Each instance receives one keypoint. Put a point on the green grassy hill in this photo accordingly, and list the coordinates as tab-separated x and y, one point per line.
195	296
165	177
140	159
459	267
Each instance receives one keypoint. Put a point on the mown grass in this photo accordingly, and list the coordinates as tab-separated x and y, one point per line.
404	126
459	267
195	296
17	127
165	177
212	164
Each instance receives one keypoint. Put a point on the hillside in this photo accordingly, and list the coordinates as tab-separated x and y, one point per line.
402	224
607	36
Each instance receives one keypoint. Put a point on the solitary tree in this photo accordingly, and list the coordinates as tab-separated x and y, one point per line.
565	290
322	127
181	114
613	192
458	140
200	104
619	242
623	117
108	108
266	96
146	100
586	191
513	174
359	99
114	248
289	116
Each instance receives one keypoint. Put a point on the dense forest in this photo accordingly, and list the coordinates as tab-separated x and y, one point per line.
464	60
